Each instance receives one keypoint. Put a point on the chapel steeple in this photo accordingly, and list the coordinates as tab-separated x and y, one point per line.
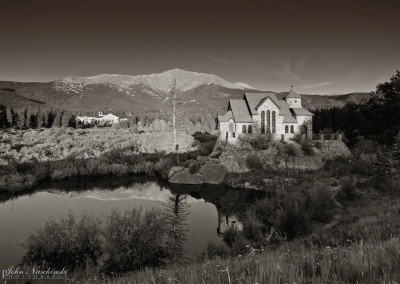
293	99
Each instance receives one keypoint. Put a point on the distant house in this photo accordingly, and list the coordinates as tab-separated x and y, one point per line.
282	118
101	119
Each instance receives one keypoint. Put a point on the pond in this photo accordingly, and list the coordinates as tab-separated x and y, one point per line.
212	208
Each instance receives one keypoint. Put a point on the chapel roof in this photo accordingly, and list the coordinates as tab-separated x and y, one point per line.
301	112
226	117
240	111
292	94
255	99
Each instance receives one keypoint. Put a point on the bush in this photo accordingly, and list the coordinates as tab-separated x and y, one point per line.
306	147
205	143
254	163
291	218
318	145
240	246
265	210
291	150
230	236
194	167
134	240
72	242
297	138
321	204
348	191
261	141
253	229
216	250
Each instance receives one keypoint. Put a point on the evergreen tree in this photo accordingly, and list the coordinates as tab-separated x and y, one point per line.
72	121
10	117
3	116
21	119
57	120
381	170
176	211
41	119
395	151
32	119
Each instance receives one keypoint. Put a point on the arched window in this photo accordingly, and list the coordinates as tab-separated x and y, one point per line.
268	121
291	129
273	122
244	129
286	129
263	122
249	129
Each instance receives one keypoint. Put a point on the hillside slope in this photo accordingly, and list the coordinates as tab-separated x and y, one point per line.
195	91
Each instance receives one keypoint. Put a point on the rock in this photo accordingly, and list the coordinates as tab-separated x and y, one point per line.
174	171
305	163
183	176
211	172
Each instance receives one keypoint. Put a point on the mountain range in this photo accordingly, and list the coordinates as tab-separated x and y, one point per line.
126	93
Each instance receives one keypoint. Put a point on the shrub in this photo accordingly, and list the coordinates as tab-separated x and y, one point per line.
194	167
253	229
348	191
230	236
205	143
291	150
261	141
72	242
297	138
265	210
318	145
321	204
254	163
134	240
240	246
291	219
306	147
216	250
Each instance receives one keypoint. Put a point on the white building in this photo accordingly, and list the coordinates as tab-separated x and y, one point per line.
279	115
101	119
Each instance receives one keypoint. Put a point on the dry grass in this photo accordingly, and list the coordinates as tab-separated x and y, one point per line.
52	144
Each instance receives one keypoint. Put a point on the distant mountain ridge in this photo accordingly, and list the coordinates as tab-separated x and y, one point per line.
185	80
126	93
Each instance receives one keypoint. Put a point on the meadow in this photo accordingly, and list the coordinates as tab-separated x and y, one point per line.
30	156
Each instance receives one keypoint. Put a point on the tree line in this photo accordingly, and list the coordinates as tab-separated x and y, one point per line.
25	118
376	119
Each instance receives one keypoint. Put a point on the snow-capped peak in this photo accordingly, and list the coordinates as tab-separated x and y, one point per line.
186	80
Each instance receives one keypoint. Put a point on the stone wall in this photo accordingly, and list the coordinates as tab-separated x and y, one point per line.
332	149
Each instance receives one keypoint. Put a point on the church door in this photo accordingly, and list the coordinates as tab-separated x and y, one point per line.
304	131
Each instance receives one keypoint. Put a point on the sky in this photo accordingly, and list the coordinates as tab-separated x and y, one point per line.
318	46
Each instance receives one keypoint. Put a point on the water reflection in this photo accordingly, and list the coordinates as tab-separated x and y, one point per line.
213	209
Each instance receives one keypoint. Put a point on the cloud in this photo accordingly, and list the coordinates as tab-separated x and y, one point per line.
317	85
218	60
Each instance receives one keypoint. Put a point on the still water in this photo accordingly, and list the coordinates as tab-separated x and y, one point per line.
212	208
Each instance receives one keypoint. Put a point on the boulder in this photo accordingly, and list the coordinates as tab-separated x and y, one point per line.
210	172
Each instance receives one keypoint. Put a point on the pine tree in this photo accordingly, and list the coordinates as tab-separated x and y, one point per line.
57	120
32	119
395	151
21	119
10	117
3	116
176	211
41	119
381	175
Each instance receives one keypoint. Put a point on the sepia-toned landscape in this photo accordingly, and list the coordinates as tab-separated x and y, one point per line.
176	142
